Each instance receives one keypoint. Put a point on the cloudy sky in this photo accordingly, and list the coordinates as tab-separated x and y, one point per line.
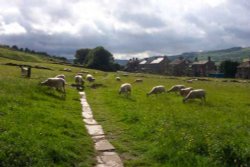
127	28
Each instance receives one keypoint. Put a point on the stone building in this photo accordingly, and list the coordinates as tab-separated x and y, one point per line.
157	64
179	67
203	68
243	70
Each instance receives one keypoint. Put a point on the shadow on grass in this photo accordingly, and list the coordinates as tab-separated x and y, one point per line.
53	94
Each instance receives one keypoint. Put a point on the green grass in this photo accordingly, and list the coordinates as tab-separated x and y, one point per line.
162	131
38	125
22	56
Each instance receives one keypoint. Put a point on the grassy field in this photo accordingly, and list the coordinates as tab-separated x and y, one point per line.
162	131
40	127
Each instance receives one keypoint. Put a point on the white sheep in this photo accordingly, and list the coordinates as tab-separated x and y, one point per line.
90	78
196	94
79	80
176	88
157	90
190	81
184	92
60	76
118	79
57	83
125	88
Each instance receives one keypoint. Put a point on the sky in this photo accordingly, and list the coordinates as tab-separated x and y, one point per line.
127	28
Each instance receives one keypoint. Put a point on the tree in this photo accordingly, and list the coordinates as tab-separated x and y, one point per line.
100	58
14	47
229	68
81	55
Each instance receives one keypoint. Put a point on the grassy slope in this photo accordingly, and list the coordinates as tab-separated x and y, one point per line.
237	55
162	131
22	56
38	126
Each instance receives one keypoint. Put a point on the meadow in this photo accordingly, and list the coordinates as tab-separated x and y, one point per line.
40	127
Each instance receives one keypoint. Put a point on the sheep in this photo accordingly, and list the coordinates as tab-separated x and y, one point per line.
176	88
125	88
184	92
78	80
118	79
90	78
57	83
196	94
67	69
138	80
80	73
60	76
157	90
190	81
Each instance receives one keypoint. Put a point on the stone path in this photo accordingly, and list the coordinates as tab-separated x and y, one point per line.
106	155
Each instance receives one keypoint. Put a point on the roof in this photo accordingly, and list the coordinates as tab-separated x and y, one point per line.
157	60
177	61
244	65
200	62
143	62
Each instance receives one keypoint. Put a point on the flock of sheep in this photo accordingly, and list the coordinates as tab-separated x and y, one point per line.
59	83
187	93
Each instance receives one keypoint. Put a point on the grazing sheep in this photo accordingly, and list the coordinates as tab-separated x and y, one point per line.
60	76
196	94
125	88
78	80
67	69
157	90
118	79
57	83
176	88
80	73
184	92
138	80
90	78
190	81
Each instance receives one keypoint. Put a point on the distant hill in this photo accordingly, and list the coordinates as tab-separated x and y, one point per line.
234	54
29	57
121	62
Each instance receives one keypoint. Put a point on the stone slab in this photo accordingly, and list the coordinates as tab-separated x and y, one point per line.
87	115
98	138
90	121
86	109
112	160
104	145
95	130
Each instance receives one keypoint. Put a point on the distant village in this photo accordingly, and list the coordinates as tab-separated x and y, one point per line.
184	67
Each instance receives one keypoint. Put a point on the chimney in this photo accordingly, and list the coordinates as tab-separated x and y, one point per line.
209	58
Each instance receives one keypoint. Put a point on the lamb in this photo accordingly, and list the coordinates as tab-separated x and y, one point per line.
90	78
184	92
157	90
176	88
57	83
196	94
60	76
118	79
125	88
78	80
138	80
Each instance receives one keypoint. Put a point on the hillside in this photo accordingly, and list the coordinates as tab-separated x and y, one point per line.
27	57
234	54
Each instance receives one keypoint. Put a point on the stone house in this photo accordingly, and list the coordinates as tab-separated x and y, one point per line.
203	68
179	67
243	70
157	64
